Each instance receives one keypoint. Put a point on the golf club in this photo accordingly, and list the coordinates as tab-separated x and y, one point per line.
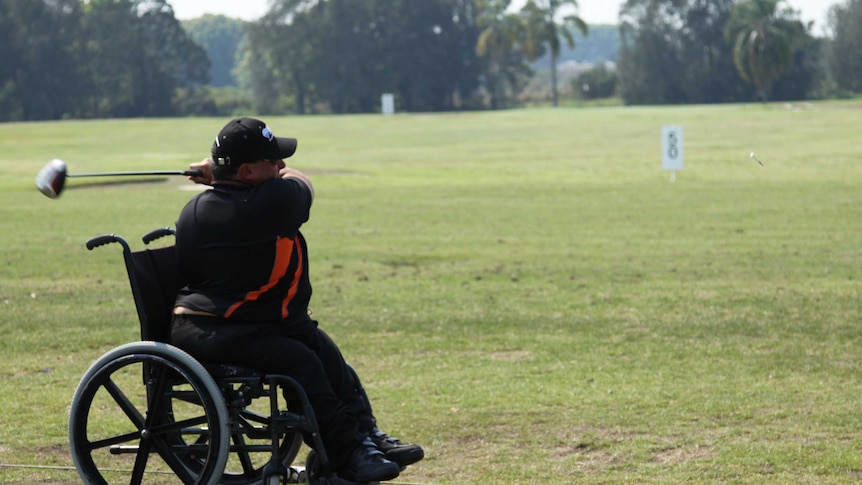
756	159
52	178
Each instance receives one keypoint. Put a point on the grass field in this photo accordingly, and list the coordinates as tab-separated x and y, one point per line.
524	292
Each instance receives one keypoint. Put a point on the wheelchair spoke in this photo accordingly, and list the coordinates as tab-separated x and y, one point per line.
244	460
104	443
126	405
170	457
170	428
140	463
155	393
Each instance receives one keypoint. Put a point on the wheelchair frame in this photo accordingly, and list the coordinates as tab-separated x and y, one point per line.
148	412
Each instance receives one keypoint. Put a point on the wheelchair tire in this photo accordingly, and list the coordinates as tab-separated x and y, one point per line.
145	411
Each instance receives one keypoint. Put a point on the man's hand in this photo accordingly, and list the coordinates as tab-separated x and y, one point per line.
205	167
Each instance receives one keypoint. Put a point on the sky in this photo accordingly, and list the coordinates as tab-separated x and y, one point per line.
592	11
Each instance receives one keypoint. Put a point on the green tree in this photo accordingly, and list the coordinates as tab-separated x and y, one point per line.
501	42
174	53
762	34
678	51
220	37
277	59
344	54
350	55
706	61
431	53
650	67
599	82
547	26
115	62
139	56
845	49
809	69
41	59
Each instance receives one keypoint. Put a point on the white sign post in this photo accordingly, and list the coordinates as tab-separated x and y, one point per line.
671	149
387	102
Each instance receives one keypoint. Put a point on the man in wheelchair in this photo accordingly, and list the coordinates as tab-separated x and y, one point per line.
246	303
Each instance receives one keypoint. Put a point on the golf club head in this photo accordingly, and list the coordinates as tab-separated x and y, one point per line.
52	178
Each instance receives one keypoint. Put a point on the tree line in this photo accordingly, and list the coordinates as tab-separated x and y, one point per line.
99	59
133	58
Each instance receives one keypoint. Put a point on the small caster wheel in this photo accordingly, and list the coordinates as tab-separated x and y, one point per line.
312	469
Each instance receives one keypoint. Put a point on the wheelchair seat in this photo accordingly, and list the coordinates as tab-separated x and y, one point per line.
148	408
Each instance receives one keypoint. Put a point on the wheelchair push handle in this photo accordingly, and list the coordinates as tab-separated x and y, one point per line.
102	240
158	233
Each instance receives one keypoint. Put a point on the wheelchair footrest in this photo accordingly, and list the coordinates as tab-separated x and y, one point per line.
288	420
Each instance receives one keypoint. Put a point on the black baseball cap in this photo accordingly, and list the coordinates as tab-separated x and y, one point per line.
245	140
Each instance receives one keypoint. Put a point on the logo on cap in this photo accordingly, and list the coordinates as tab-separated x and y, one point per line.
267	133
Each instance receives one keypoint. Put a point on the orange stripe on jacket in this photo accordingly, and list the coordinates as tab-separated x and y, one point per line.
283	252
294	285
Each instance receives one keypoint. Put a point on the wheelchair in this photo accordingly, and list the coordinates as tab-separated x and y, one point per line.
149	413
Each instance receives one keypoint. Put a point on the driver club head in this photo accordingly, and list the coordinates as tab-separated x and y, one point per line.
52	178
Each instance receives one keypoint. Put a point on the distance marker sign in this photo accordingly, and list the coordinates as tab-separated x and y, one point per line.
671	148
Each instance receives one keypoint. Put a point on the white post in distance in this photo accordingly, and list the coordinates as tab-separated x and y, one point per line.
671	149
387	103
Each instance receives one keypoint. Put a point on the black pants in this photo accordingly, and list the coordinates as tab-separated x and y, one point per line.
298	350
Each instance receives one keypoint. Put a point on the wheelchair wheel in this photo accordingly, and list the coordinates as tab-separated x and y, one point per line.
147	412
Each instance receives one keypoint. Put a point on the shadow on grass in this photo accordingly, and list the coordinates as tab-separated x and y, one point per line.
114	183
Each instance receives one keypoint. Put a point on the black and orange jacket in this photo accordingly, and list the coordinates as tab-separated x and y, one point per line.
242	254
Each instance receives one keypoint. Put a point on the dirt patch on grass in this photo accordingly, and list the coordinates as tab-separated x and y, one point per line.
683	454
512	355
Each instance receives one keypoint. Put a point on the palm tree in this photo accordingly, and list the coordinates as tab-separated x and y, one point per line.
762	37
501	41
542	21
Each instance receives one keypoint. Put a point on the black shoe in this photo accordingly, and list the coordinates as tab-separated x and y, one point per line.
401	453
368	464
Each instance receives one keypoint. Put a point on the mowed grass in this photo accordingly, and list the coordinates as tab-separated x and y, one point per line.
525	293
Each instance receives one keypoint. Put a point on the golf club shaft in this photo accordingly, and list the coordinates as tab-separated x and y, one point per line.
189	173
